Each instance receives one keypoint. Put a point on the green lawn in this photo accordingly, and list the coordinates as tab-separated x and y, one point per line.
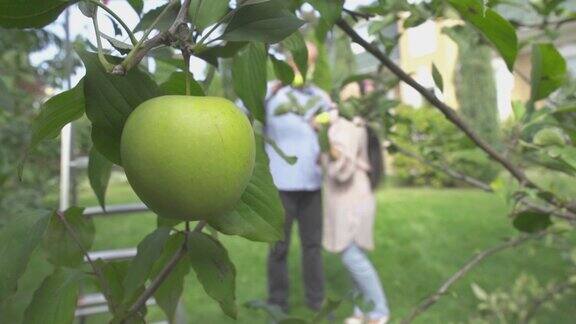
423	235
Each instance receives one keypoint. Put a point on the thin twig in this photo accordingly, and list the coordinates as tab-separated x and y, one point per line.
164	273
356	14
474	261
544	24
443	168
211	30
76	239
78	242
158	40
117	18
567	215
538	302
173	34
107	65
186	59
448	112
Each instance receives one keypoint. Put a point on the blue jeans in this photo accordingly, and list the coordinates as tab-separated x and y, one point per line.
366	282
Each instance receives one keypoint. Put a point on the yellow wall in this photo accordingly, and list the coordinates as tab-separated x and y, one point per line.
521	85
444	57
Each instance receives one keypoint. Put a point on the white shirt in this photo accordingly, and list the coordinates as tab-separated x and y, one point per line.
294	135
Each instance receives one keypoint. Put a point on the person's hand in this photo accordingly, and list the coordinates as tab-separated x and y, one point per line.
334	153
320	120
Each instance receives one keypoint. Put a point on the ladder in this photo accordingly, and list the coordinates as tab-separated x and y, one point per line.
88	304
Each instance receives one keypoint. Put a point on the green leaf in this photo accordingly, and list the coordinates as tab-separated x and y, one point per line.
438	80
209	12
138	5
531	221
60	246
114	274
328	308
494	27
110	99
18	239
164	23
259	216
54	302
214	270
212	54
297	46
99	172
170	291
121	47
149	250
322	77
282	70
176	85
249	78
31	13
106	143
550	136
330	10
290	159
58	111
275	312
88	9
548	71
267	22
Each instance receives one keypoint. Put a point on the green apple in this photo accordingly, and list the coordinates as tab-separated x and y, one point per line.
188	158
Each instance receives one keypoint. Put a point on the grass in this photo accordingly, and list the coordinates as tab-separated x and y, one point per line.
422	236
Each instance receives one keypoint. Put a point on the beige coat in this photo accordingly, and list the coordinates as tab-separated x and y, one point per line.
349	203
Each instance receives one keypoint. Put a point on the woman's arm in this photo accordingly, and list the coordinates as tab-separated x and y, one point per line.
343	152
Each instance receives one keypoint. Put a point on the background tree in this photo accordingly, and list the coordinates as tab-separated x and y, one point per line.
475	82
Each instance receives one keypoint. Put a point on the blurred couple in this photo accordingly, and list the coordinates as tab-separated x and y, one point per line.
339	217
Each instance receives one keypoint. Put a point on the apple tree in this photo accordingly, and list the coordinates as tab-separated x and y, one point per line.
245	32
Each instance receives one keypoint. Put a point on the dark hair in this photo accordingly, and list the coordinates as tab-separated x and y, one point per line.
376	158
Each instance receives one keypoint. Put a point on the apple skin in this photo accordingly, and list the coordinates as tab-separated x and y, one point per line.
188	158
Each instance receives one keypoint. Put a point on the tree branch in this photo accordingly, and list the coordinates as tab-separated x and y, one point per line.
178	31
544	24
448	112
474	261
164	273
357	14
567	215
443	168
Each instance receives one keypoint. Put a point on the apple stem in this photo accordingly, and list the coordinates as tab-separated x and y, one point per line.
186	58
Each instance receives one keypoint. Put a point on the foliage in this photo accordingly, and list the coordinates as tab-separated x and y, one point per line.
475	82
22	90
426	131
526	297
515	305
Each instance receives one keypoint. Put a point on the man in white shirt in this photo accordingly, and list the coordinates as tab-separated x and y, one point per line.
289	110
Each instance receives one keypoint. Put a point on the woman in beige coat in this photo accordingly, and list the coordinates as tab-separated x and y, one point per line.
349	212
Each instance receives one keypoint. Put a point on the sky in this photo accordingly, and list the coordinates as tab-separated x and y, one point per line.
81	25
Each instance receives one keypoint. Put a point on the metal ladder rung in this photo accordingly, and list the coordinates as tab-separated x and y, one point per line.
92	304
111	255
115	209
